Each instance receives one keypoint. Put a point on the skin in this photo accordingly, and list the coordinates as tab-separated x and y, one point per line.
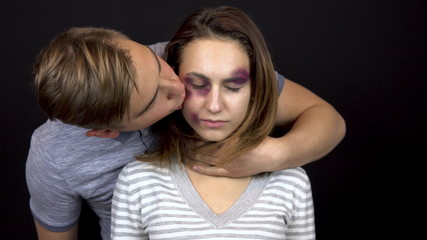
217	94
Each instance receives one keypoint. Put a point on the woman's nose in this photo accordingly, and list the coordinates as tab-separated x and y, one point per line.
214	103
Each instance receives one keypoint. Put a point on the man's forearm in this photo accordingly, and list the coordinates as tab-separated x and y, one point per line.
316	132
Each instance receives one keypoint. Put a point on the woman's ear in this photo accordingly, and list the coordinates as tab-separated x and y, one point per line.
103	133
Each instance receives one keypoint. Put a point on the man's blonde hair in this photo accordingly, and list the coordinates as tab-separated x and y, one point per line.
82	77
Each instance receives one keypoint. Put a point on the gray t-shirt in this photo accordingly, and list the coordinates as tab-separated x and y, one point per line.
65	166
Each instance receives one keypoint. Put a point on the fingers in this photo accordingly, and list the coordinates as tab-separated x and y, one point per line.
208	160
210	170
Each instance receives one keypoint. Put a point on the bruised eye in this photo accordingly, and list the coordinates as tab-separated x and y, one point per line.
196	83
198	86
234	84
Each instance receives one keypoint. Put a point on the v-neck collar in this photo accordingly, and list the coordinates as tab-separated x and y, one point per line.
190	195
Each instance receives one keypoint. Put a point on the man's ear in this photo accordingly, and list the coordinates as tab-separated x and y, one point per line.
103	133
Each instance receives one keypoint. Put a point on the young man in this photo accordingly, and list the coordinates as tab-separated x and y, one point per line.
98	83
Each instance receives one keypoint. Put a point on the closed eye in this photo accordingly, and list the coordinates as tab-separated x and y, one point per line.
233	89
198	86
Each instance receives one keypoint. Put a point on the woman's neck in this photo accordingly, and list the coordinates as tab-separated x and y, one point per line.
219	193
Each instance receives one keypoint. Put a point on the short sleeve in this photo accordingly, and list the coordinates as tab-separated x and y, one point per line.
302	225
158	48
52	203
280	81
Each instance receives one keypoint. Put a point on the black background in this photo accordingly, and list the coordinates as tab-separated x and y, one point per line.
367	58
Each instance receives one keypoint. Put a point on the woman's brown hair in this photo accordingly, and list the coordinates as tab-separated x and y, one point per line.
229	24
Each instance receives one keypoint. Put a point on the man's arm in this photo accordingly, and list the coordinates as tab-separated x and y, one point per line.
44	234
316	129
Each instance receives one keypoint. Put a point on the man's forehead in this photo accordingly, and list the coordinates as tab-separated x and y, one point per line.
151	96
155	57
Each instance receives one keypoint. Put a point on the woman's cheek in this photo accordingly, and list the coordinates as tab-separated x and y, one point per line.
188	93
194	118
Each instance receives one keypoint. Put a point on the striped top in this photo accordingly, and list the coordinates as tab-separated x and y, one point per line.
157	203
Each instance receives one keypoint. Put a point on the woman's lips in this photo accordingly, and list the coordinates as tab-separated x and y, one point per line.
213	123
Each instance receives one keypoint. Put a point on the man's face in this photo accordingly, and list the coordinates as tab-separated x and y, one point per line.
160	91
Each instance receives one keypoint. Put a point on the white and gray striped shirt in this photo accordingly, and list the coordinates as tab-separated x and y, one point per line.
157	203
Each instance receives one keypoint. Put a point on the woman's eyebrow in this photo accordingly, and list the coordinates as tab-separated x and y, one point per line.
198	75
234	79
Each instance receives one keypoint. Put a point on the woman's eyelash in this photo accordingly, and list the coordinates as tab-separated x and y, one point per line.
202	86
196	86
233	89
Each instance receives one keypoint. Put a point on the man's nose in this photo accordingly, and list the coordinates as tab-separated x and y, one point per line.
175	86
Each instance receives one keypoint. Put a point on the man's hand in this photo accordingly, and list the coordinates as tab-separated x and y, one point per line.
260	159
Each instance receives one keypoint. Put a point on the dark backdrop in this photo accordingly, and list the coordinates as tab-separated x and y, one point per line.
367	58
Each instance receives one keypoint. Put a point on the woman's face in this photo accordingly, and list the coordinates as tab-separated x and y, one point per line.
217	83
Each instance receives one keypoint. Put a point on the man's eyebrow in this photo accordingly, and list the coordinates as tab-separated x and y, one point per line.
155	57
149	106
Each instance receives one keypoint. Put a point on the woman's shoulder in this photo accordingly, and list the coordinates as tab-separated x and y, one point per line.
292	174
139	167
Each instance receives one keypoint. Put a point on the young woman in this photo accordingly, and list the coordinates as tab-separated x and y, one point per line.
231	103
